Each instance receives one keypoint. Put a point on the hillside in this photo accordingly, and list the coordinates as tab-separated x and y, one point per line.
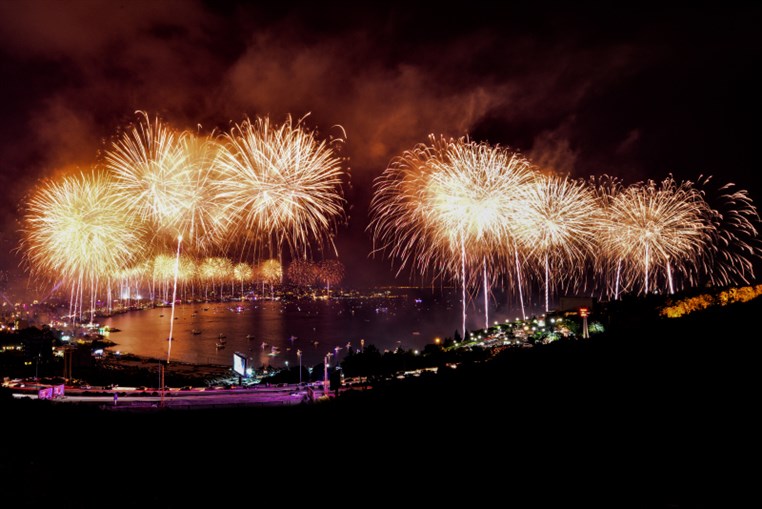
656	409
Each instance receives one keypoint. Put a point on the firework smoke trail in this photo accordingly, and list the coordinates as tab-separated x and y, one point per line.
657	223
279	182
735	242
556	225
73	231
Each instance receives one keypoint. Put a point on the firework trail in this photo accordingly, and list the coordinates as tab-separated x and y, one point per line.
279	184
403	225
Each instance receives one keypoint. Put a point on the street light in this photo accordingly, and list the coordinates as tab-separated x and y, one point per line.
325	372
299	354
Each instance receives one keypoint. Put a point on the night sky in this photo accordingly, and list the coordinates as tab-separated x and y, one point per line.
628	89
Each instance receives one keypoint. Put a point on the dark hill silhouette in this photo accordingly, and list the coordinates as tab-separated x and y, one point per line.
656	412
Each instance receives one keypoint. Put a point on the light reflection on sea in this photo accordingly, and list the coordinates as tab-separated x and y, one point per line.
270	332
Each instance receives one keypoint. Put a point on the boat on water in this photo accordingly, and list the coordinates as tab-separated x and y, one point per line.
220	345
249	336
196	331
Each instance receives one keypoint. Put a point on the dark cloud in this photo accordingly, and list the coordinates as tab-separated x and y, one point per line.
631	91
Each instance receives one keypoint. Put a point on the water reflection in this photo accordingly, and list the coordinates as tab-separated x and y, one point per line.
270	332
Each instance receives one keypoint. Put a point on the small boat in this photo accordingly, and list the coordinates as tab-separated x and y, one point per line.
220	345
196	331
249	336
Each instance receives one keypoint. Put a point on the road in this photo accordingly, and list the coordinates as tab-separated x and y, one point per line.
130	398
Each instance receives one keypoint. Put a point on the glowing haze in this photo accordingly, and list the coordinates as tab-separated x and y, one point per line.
578	90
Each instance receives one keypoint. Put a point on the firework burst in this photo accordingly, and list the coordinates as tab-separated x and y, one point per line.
330	272
73	232
279	184
302	272
473	193
735	245
657	225
163	176
448	205
401	224
556	226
